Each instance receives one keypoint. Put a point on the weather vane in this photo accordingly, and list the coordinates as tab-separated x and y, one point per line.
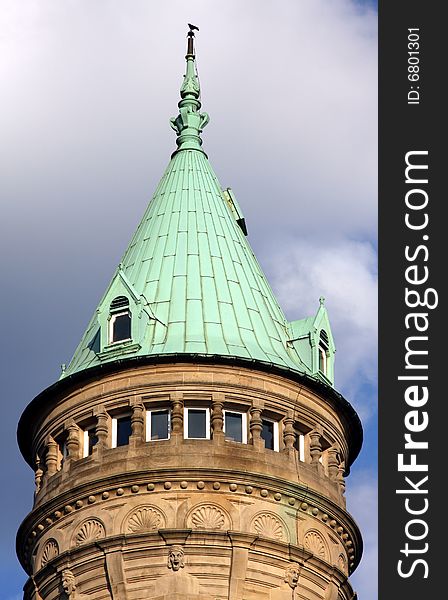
190	36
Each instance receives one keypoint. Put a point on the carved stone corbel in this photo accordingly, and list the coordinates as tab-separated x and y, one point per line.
68	583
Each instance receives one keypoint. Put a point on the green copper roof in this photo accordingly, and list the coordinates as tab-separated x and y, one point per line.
191	279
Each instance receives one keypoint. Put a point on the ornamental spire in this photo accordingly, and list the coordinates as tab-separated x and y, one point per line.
190	122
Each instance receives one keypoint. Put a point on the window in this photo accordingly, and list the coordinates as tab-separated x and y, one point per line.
269	433
235	426
197	423
299	445
121	430
157	425
90	439
322	360
120	320
323	349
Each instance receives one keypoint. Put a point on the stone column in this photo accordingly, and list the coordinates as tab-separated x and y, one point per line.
315	445
256	426
177	413
333	461
217	416
102	427
138	421
73	442
289	435
51	459
38	475
340	477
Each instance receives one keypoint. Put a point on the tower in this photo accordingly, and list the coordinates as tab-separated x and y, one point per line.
195	446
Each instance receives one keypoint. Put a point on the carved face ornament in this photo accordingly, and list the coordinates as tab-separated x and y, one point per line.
68	582
292	577
176	558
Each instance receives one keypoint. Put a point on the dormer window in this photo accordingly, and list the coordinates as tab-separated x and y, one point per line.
323	352
120	320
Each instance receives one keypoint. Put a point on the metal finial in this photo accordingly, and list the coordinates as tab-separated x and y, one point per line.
190	36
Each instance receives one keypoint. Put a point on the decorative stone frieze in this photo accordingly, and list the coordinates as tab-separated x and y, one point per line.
50	551
314	542
269	525
208	516
90	531
342	563
144	518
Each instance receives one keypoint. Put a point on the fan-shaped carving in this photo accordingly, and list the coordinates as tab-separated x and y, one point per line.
50	551
270	526
89	531
145	518
208	517
342	563
314	543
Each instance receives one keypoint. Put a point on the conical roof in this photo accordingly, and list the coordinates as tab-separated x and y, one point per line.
191	280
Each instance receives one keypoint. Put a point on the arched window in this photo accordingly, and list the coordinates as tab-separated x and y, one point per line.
120	320
323	352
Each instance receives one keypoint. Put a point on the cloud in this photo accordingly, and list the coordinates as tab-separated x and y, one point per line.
291	94
362	502
344	272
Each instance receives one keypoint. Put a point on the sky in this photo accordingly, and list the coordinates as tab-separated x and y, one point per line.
88	87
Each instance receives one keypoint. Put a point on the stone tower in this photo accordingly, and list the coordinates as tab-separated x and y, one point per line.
195	447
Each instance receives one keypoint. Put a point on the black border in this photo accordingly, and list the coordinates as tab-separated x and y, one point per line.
402	128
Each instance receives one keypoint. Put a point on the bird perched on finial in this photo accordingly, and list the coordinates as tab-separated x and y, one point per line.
190	37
